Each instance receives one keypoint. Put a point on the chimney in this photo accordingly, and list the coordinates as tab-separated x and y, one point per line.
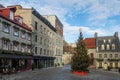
116	34
1	6
96	34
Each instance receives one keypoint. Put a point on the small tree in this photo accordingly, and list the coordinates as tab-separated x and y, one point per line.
80	60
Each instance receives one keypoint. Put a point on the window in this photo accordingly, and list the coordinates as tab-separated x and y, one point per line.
100	64
111	65
44	30
35	38
23	34
35	50
28	49
29	36
44	41
105	55
6	28
41	28
23	47
102	47
113	46
109	40
35	25
16	32
20	20
104	40
40	40
11	15
16	46
40	50
110	55
44	51
116	65
100	55
48	52
5	44
116	55
108	47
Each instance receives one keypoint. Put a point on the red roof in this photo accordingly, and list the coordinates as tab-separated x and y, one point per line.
90	43
4	13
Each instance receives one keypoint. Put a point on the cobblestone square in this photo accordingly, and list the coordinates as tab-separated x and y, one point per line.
61	73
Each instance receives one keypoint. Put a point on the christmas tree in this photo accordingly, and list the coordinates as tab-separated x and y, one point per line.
80	60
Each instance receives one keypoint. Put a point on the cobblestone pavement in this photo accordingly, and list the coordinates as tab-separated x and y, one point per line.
60	73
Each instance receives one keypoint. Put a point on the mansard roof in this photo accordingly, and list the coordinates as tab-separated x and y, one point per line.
108	40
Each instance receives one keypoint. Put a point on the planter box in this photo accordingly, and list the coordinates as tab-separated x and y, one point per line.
82	73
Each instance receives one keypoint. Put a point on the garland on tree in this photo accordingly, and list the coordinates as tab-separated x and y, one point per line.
80	60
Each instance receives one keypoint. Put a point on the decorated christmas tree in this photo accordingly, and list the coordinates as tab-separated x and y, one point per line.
80	60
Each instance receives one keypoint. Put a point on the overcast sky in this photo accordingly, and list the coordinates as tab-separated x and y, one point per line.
101	16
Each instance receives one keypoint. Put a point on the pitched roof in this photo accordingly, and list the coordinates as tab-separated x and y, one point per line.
4	13
90	43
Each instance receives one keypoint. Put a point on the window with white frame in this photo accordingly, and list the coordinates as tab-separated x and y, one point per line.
20	20
100	55
102	47
28	49
5	44
104	40
111	55
11	15
113	46
116	55
16	32
23	47
16	46
108	47
109	40
6	28
105	55
23	34
29	36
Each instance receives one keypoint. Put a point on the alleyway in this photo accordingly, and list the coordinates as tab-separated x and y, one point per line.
61	73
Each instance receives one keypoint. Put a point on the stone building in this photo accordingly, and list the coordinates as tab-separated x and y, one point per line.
108	51
59	37
43	36
91	46
15	42
104	51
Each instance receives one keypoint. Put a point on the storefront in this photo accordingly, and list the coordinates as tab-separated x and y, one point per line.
43	61
14	63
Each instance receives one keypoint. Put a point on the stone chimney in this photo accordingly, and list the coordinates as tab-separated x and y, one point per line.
96	34
116	34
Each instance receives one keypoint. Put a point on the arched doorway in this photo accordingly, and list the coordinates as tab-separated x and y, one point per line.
91	58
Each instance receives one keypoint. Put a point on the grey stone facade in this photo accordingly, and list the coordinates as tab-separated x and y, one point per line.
108	51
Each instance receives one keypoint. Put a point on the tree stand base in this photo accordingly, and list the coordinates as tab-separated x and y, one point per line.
82	73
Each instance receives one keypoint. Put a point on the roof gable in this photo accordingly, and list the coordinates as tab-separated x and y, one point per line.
90	43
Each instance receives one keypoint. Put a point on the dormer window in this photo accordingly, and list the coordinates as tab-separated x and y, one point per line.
104	40
11	15
20	20
109	40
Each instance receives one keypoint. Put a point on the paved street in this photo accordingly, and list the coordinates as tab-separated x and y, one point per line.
61	73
